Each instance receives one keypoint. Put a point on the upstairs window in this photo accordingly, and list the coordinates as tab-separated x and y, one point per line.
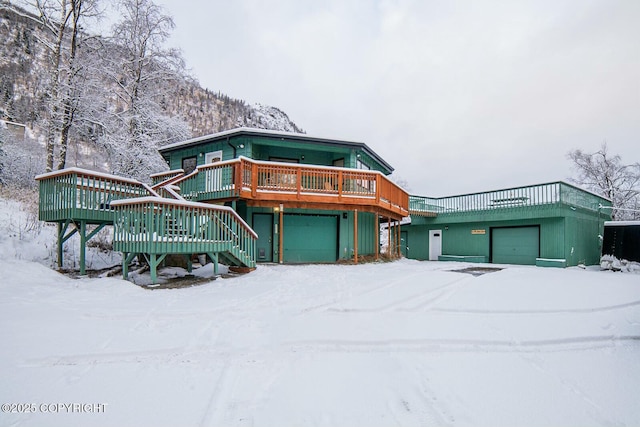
189	164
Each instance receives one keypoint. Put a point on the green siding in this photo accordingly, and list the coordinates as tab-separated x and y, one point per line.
458	238
345	219
264	148
515	245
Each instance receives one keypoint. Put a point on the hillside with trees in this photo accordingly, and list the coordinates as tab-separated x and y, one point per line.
103	101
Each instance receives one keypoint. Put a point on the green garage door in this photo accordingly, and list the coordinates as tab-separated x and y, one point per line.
310	238
517	245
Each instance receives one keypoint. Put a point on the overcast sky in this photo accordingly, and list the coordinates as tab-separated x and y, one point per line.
457	96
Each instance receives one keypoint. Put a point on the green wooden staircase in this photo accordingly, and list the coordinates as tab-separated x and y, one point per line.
150	221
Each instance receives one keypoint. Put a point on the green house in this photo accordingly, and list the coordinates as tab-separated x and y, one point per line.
553	224
308	199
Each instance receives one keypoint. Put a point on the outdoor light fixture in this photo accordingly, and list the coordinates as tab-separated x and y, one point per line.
241	146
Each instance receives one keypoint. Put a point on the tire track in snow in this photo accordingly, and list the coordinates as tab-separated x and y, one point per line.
204	354
546	311
462	345
213	410
351	297
173	354
424	297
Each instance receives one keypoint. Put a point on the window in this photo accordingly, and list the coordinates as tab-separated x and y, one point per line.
283	160
365	185
189	164
361	165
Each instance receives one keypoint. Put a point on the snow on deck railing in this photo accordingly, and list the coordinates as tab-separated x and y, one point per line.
159	225
73	192
533	195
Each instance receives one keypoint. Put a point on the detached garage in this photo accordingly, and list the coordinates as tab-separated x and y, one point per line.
554	224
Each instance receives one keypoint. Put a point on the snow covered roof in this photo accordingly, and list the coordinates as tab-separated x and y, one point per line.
273	133
620	223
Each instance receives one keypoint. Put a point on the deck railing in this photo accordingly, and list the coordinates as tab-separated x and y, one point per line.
84	195
261	180
155	225
163	177
529	196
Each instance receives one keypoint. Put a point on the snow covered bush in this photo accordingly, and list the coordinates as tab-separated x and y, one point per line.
609	262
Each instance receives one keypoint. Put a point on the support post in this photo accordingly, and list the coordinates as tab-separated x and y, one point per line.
377	234
154	262
214	259
389	236
280	237
189	263
83	246
126	259
399	240
61	231
355	236
152	268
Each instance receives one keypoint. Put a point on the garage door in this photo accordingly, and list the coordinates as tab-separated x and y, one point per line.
310	238
517	245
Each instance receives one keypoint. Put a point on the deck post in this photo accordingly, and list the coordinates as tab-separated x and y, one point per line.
399	242
62	229
125	265
126	259
389	236
377	234
83	246
214	258
355	236
280	238
154	262
152	268
189	263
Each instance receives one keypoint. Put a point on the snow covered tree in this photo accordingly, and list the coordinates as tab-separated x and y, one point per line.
144	74
605	174
60	19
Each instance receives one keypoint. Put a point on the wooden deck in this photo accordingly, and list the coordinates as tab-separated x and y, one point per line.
146	221
270	184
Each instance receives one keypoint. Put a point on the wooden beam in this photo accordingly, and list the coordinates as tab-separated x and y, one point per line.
321	206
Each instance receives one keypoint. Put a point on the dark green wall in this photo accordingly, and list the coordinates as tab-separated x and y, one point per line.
345	249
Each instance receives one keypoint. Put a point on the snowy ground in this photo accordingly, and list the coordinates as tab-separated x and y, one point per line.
399	344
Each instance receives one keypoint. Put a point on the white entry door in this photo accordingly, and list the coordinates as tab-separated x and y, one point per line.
435	244
213	177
